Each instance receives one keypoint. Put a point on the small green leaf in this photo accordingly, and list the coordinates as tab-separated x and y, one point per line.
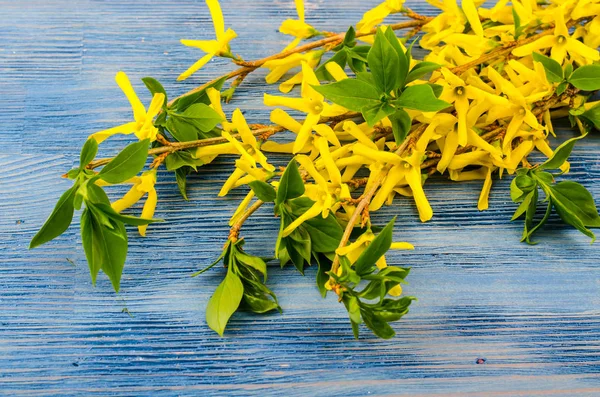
401	125
324	265
58	221
421	69
88	152
384	64
181	178
373	114
252	261
325	234
523	206
561	154
353	307
562	87
155	87
291	184
378	247
420	97
379	326
554	72
127	164
224	302
105	247
200	115
586	78
263	191
182	158
578	200
592	116
403	57
353	94
184	102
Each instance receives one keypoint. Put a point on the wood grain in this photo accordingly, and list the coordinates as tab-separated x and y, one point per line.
530	312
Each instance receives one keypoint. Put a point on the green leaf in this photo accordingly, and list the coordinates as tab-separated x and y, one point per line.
105	248
252	261
181	178
127	164
568	70
155	87
378	247
291	184
257	297
379	326
263	191
200	115
126	219
578	200
373	114
181	130
567	213
586	78
420	97
353	94
58	221
592	116
517	21
182	158
421	69
325	234
561	154
403	57
401	125
554	72
562	87
226	251
384	64
349	37
353	308
224	302
88	152
523	206
324	266
184	102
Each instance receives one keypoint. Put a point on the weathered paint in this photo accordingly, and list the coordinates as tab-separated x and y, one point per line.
530	312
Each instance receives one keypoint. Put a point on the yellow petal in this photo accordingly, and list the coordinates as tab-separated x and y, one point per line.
462	107
413	177
395	290
230	182
241	208
208	46
376	155
336	71
448	151
238	146
334	173
283	119
309	214
217	17
148	210
483	202
351	128
215	101
308	166
305	132
327	132
393	178
300	9
299	104
290	83
402	246
528	49
127	128
129	199
211	150
195	67
239	122
470	11
139	111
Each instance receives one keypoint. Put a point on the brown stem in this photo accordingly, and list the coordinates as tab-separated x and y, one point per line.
251	66
234	232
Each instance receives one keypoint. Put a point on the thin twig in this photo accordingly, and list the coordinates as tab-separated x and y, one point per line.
234	232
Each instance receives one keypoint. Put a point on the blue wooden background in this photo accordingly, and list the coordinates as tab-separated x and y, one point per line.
531	312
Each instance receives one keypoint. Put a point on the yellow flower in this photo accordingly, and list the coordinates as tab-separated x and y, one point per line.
142	185
560	44
297	27
142	127
519	109
279	67
312	103
218	47
458	92
376	15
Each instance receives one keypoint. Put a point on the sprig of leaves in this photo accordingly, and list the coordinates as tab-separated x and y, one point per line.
383	91
586	78
363	288
573	202
103	232
243	286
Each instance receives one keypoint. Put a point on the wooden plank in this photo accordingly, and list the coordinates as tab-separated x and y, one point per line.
530	312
